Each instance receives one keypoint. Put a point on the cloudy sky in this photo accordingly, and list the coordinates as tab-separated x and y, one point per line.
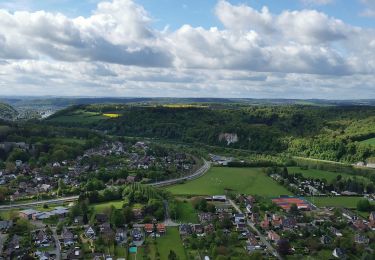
178	48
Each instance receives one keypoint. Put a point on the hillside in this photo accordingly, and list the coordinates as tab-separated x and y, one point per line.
330	133
7	112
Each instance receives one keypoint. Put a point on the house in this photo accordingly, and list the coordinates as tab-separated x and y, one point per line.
13	246
338	253
138	213
185	229
198	229
41	239
149	228
205	217
360	225
325	240
161	228
240	227
273	236
68	237
90	233
288	223
336	232
209	229
361	239
27	213
137	234
239	218
276	221
219	198
120	235
5	225
372	220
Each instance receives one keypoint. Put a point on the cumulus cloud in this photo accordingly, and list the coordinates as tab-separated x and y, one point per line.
116	48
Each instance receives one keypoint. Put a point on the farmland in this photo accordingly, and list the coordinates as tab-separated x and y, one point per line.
79	117
240	180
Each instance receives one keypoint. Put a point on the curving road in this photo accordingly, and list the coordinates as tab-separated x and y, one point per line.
198	173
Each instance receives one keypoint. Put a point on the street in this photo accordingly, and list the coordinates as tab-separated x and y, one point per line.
270	248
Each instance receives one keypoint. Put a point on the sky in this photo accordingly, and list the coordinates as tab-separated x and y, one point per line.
170	48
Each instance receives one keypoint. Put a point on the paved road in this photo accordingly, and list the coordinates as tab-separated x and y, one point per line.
198	173
41	202
201	171
58	245
3	238
271	249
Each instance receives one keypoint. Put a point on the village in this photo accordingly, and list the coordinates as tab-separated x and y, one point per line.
252	224
113	163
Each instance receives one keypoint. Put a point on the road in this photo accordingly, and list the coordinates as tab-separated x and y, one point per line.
58	245
198	173
41	202
3	238
270	248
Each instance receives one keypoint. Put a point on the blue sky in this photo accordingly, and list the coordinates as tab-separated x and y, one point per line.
195	48
175	13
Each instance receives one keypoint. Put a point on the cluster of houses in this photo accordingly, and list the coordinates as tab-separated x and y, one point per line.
274	224
40	182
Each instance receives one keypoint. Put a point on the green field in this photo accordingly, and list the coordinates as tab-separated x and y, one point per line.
80	117
338	201
240	180
186	212
370	141
100	207
170	241
320	174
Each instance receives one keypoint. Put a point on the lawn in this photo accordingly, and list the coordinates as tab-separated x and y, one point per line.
166	243
240	180
79	117
339	201
370	141
320	174
100	207
186	212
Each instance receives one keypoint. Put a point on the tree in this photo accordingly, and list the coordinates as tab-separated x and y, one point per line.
283	247
294	210
364	205
172	255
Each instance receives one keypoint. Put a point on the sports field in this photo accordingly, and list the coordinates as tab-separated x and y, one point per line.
338	201
240	180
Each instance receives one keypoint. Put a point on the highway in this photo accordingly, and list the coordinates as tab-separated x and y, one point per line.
198	173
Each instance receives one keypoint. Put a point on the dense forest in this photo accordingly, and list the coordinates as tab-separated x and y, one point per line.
323	132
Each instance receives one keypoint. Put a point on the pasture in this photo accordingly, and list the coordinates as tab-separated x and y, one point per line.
218	180
79	117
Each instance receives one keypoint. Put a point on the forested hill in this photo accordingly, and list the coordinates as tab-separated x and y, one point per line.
7	112
337	133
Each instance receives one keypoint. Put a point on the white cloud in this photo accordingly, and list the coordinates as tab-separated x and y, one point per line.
116	50
369	10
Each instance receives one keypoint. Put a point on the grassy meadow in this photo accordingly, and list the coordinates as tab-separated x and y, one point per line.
240	180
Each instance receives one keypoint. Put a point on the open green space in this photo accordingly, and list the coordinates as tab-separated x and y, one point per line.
100	207
338	201
370	141
170	241
320	174
186	212
79	116
218	180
